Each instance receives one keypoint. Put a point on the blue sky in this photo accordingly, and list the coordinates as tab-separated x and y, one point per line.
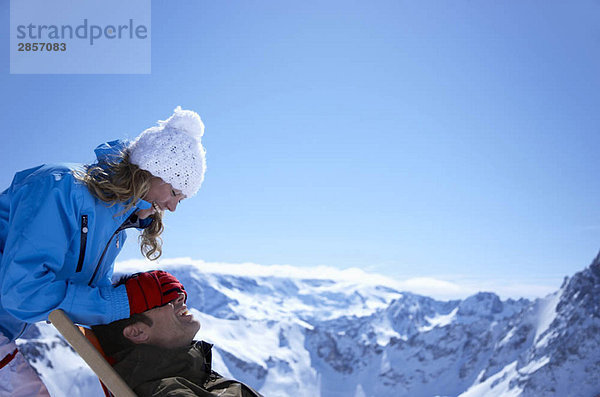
455	141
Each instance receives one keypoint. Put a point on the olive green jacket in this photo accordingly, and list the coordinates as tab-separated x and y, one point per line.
158	372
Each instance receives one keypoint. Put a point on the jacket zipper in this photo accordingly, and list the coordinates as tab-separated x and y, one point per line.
83	242
102	256
124	225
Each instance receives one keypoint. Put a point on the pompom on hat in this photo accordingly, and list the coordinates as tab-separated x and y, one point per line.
173	151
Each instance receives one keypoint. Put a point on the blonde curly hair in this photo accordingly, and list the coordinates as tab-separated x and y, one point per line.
118	180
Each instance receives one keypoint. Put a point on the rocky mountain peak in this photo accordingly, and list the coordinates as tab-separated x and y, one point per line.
326	337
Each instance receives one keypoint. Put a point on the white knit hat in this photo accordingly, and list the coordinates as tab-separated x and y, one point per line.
173	151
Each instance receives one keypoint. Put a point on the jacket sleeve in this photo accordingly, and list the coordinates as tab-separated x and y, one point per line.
43	220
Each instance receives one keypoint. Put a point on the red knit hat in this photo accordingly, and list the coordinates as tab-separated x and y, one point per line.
152	289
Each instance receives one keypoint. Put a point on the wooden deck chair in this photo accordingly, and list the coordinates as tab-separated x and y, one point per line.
91	337
84	346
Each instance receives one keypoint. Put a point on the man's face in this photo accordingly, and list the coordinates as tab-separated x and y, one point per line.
172	325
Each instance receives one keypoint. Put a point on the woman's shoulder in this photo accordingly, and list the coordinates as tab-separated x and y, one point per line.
46	171
56	178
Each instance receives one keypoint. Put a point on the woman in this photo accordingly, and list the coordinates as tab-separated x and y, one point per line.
62	226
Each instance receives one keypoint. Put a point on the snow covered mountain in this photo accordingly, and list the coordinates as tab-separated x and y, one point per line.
292	334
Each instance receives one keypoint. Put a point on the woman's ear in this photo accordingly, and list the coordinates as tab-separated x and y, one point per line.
137	333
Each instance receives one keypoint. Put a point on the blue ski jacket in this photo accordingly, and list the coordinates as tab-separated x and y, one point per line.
58	244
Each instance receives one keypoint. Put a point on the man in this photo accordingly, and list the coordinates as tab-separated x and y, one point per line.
154	350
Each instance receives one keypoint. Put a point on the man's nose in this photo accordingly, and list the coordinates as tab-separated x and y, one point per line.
180	298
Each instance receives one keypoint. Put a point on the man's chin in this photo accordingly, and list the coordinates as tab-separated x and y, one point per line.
198	325
195	326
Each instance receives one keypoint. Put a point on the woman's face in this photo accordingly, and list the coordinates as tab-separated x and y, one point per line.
162	196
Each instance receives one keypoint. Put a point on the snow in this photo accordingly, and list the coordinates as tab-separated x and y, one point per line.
546	314
545	339
480	376
354	276
534	366
297	332
359	391
59	378
439	321
496	385
253	341
233	335
288	292
218	364
385	332
507	337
